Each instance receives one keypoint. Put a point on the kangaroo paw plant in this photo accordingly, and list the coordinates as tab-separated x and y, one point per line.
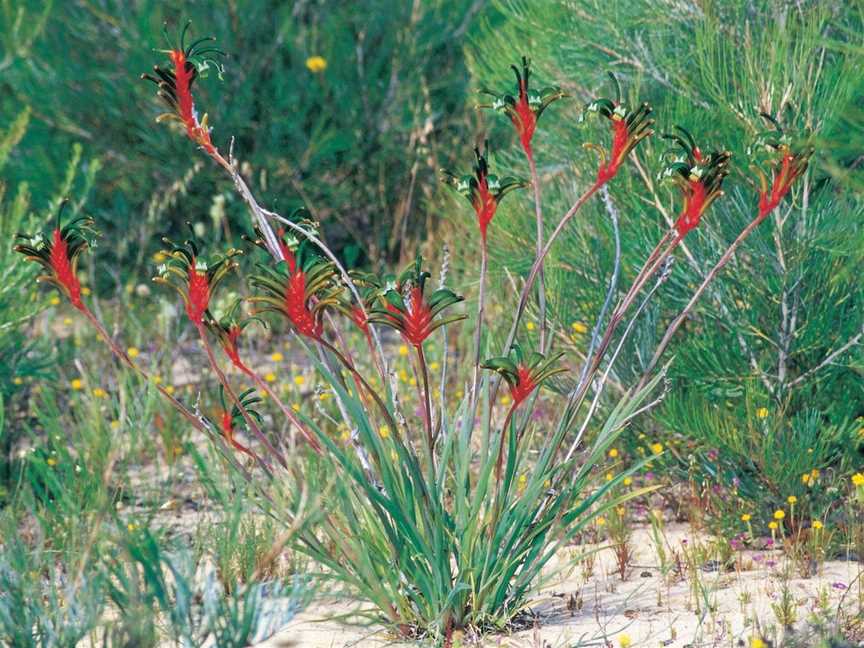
441	514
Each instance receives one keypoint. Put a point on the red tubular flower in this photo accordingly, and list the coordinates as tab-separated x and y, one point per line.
301	295
526	373
193	278
787	164
404	306
228	331
483	190
175	85
229	419
59	254
698	177
628	129
525	109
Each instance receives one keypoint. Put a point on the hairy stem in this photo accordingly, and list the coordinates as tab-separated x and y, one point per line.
538	214
478	331
426	399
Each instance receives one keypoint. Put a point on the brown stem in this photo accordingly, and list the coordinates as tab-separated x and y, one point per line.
348	365
426	399
233	396
676	323
481	299
289	414
538	214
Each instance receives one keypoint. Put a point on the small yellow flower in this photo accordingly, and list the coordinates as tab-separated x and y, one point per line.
772	525
169	390
133	352
762	413
403	375
505	400
345	436
621	511
613	453
299	380
67	321
323	396
434	366
77	384
814	474
779	514
624	641
270	377
600	521
656	448
157	380
529	326
131	526
522	482
792	499
85	291
756	642
17	380
98	392
858	479
805	478
628	481
295	407
403	350
579	328
115	425
316	64
51	461
609	476
412	381
746	517
54	301
277	357
547	483
394	456
816	524
384	431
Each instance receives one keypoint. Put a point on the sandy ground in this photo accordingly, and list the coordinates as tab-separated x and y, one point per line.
648	607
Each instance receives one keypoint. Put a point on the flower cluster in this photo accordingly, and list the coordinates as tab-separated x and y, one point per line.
483	190
525	372
403	305
59	252
228	330
629	127
787	162
699	177
174	83
527	106
192	277
300	289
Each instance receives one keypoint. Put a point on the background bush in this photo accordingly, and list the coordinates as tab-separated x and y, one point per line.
758	341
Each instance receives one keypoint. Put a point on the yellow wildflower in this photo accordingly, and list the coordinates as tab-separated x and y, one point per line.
115	425
403	350
579	328
316	64
54	301
51	461
613	453
133	352
299	380
505	400
600	521
98	392
656	448
17	380
78	384
276	357
169	390
529	326
805	478
746	517
624	641
384	431
858	479
85	291
792	499
762	413
434	366
628	481
295	407
394	456
67	321
756	642
779	514
772	525
816	524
